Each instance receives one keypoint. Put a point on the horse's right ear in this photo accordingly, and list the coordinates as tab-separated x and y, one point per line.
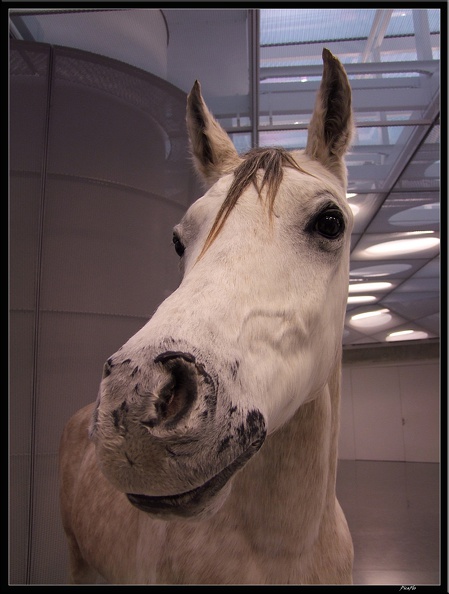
213	153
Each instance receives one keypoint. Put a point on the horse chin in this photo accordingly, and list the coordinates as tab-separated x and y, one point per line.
199	502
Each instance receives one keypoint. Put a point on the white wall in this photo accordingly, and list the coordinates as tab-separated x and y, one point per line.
390	411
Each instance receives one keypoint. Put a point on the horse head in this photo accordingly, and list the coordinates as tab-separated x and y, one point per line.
255	326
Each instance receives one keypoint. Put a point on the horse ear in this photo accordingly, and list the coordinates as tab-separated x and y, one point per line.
331	126
213	153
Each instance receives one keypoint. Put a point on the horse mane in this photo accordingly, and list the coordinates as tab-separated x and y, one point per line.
271	160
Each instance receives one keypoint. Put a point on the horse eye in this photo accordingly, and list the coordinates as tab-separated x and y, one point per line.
330	224
179	248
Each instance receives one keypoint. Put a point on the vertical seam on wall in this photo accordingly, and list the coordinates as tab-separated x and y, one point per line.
254	70
37	305
354	441
399	367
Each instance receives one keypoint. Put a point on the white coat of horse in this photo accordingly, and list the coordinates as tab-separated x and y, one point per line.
210	456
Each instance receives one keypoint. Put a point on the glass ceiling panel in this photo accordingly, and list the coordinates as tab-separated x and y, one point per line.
415	211
282	26
390	55
355	35
289	139
241	140
402	21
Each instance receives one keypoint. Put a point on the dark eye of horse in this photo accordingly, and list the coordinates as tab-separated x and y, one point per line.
330	224
179	248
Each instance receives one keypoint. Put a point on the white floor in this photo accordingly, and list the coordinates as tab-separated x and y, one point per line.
393	512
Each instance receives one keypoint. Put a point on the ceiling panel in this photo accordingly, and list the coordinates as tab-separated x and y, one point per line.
423	172
413	306
431	323
411	211
430	269
287	26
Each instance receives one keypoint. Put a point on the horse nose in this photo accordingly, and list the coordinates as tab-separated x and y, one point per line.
172	400
155	392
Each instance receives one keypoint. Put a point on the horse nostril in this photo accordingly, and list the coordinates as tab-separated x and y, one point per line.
175	398
107	368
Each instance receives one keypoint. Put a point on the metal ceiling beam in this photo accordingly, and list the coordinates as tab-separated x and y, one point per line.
363	100
356	84
420	66
370	124
294	102
254	65
377	33
422	35
311	50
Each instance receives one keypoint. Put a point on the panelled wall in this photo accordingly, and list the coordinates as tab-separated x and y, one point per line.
99	175
390	409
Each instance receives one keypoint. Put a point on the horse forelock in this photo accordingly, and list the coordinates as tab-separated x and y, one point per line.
271	160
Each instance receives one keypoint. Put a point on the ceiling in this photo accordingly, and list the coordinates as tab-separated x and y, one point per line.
392	57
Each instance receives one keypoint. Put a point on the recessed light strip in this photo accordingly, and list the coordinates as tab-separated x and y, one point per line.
402	246
361	299
367	287
371	319
406	335
370	314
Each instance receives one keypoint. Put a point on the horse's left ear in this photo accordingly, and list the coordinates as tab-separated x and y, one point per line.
213	152
331	126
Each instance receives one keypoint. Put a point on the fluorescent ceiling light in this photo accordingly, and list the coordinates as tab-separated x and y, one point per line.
402	246
366	287
419	232
350	195
361	299
370	314
407	334
399	333
371	319
381	270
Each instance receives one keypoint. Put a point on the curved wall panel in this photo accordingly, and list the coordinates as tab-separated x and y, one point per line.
99	175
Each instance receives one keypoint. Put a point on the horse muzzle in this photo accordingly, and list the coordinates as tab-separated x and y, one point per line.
167	435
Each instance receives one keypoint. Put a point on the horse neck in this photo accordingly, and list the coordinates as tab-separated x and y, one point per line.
290	485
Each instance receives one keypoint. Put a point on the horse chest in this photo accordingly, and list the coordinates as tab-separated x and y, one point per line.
219	554
228	548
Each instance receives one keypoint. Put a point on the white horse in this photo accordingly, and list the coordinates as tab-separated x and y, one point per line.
210	456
